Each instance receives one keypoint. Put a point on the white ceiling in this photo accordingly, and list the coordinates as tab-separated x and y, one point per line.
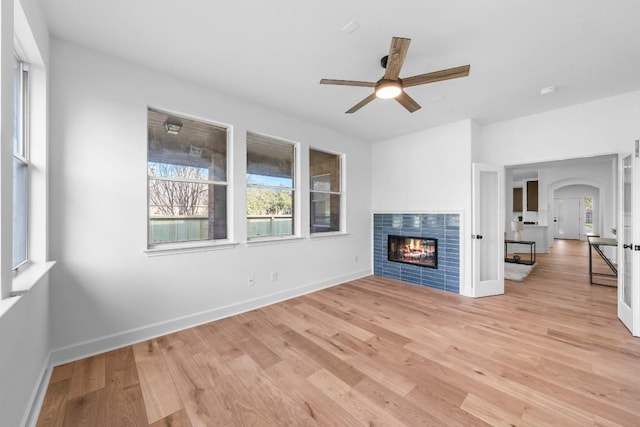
274	53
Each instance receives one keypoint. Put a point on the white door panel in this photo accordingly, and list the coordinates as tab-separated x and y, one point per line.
567	213
488	230
629	242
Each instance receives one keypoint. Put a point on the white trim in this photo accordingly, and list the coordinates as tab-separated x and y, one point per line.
416	212
328	235
187	180
7	303
273	240
34	406
24	280
110	342
188	247
337	193
271	187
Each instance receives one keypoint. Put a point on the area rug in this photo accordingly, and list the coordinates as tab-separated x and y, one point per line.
517	272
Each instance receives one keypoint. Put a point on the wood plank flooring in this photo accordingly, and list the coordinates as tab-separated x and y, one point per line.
374	352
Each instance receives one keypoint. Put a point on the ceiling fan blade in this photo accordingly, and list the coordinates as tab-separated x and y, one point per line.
397	53
436	76
361	104
408	102
346	83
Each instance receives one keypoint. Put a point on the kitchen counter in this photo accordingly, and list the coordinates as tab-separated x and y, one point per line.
536	233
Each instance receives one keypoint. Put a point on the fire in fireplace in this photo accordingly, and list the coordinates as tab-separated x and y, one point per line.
422	251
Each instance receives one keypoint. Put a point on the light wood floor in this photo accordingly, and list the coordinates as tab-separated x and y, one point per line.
378	352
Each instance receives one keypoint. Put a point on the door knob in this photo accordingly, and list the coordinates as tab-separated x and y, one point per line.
629	246
479	237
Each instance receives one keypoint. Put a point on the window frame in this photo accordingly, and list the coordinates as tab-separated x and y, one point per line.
165	248
342	194
22	156
295	204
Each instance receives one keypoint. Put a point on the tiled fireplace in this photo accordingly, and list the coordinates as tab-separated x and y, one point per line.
404	244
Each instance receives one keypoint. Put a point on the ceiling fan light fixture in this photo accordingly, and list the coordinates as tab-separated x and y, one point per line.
388	89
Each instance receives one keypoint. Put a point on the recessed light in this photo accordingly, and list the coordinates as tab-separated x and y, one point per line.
351	27
547	90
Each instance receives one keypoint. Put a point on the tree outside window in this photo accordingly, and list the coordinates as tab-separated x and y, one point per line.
588	214
270	186
187	177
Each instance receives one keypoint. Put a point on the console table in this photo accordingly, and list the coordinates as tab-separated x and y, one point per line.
516	258
594	244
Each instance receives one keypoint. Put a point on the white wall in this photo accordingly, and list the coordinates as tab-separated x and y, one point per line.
24	354
106	291
604	126
428	171
24	320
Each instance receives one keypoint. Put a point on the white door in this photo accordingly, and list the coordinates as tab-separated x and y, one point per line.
629	243
488	230
567	213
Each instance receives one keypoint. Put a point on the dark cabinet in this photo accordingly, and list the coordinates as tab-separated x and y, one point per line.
532	195
517	199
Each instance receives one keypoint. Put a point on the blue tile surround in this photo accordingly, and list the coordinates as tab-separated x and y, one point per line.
444	227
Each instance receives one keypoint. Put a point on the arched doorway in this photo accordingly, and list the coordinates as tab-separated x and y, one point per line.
580	190
576	211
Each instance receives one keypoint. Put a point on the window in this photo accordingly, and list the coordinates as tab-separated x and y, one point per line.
325	170
20	163
588	214
270	186
187	180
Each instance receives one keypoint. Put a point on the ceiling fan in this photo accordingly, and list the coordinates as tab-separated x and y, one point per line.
391	85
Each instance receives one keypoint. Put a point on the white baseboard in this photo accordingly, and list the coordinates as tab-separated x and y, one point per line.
37	395
111	342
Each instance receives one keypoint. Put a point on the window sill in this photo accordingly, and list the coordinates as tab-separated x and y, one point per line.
174	249
6	304
328	235
273	240
23	282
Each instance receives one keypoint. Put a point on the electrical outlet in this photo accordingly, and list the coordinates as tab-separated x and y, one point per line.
251	282
274	276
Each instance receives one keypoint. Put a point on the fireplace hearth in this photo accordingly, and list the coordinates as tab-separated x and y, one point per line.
422	251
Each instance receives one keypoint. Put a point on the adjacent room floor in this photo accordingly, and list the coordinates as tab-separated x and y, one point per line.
379	352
